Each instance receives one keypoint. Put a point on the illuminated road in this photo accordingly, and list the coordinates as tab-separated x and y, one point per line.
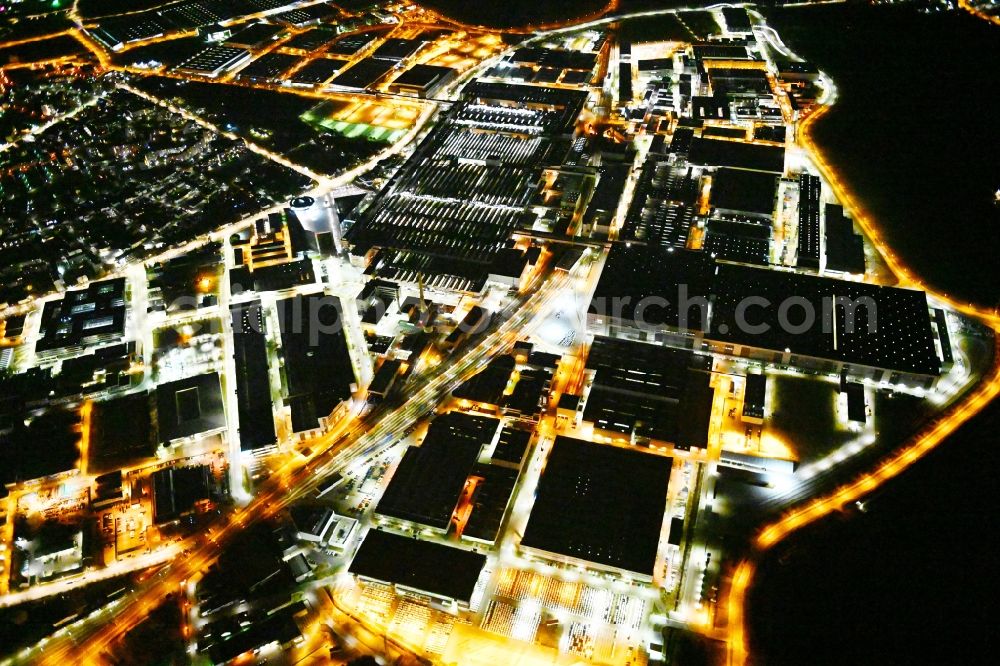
579	21
42	590
975	11
852	204
987	390
35	130
296	478
322	180
353	441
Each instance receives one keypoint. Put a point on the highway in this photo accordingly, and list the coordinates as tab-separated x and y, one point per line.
355	440
90	638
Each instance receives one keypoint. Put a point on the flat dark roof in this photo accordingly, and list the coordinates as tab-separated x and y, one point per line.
21	456
97	310
569	401
634	367
275	277
676	531
555	58
488	385
744	191
189	406
420	565
352	43
941	321
725	132
303	413
856	409
726	81
718	152
318	70
736	19
810	190
511	446
902	339
610	186
651	390
422	76
754	395
645	272
509	262
845	250
395	49
494	488
311	39
428	482
121	429
177	489
268	66
694	411
526	399
711	108
720	51
255	35
625	92
600	503
365	73
681	140
744	241
576	77
385	376
253	388
796	67
314	346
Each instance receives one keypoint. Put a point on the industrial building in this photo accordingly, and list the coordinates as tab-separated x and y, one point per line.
318	372
21	457
422	80
751	156
430	479
845	250
810	191
268	67
746	240
396	50
648	392
253	388
601	506
754	398
190	407
177	490
741	192
362	75
443	574
453	206
662	207
82	318
317	71
214	61
819	324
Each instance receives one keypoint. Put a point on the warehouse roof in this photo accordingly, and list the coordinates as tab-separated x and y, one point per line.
600	503
420	565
